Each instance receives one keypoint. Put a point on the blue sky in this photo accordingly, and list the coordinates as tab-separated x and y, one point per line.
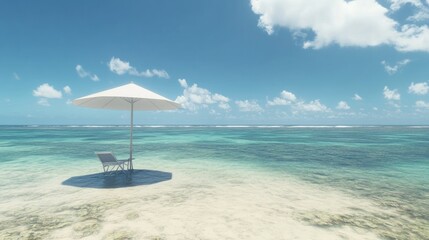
226	62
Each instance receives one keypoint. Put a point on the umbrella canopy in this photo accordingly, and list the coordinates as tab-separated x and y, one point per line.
127	97
121	97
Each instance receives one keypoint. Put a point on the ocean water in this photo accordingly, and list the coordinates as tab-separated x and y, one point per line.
216	182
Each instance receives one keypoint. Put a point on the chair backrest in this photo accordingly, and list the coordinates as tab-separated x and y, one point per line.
106	157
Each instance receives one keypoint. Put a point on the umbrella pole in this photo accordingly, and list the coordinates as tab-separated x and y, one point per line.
131	135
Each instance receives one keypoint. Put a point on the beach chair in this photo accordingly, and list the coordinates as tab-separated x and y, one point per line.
111	165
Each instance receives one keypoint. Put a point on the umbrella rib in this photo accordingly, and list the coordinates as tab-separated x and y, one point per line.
85	101
126	99
108	103
130	101
158	108
153	104
172	105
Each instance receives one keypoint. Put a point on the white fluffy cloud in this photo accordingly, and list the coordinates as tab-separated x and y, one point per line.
356	97
413	38
43	102
120	67
422	104
421	15
67	90
419	88
83	73
44	92
393	69
248	106
290	99
194	97
47	91
422	12
183	83
342	105
312	106
397	4
391	94
360	23
286	98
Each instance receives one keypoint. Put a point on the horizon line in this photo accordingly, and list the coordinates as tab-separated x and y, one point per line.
216	125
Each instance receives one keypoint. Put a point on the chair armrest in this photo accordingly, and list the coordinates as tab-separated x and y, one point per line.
121	161
110	163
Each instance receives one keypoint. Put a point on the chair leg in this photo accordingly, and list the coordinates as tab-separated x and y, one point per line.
122	168
128	165
110	170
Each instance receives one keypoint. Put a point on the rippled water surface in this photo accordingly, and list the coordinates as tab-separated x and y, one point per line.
216	183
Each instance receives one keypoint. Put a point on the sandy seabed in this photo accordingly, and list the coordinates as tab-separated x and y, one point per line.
197	202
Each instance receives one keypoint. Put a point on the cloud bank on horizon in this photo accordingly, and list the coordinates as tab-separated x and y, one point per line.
363	23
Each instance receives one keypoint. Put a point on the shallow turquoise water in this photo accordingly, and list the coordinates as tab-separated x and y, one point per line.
386	166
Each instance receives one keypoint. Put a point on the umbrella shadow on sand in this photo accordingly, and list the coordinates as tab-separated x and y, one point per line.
137	178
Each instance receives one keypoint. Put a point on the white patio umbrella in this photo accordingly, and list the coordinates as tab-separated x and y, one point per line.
127	97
